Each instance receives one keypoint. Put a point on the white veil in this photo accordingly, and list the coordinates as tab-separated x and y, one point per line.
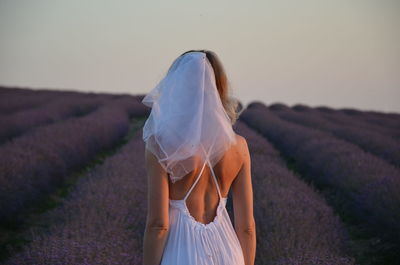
188	123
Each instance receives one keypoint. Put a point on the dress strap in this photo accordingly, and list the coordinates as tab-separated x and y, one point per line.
197	180
215	179
198	177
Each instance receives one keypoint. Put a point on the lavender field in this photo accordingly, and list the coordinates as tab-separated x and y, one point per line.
73	186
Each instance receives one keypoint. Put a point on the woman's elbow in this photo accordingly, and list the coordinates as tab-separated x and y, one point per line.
157	225
159	230
248	228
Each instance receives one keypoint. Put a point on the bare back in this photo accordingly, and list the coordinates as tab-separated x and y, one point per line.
203	200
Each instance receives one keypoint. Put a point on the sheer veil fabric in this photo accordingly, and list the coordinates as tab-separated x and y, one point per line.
187	123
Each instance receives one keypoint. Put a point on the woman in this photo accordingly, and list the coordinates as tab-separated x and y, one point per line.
193	158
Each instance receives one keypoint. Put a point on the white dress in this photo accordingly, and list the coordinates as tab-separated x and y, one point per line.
191	242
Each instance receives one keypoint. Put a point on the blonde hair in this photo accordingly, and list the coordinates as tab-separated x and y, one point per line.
229	103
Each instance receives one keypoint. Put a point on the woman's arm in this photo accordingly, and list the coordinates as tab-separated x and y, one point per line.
157	222
242	193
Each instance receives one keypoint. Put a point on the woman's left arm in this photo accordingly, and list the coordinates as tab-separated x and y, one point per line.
157	222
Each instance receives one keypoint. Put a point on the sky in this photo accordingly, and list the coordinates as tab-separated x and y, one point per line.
340	54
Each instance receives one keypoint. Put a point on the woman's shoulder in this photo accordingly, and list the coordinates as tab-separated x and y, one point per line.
240	140
241	145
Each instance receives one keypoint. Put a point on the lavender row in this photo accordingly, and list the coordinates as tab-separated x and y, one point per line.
101	221
130	104
352	117
294	223
369	184
341	117
16	99
383	119
370	141
37	162
58	109
390	120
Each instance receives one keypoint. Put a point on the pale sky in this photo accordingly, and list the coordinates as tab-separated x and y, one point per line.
336	53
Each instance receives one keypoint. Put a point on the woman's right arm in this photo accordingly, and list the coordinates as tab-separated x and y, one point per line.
242	193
